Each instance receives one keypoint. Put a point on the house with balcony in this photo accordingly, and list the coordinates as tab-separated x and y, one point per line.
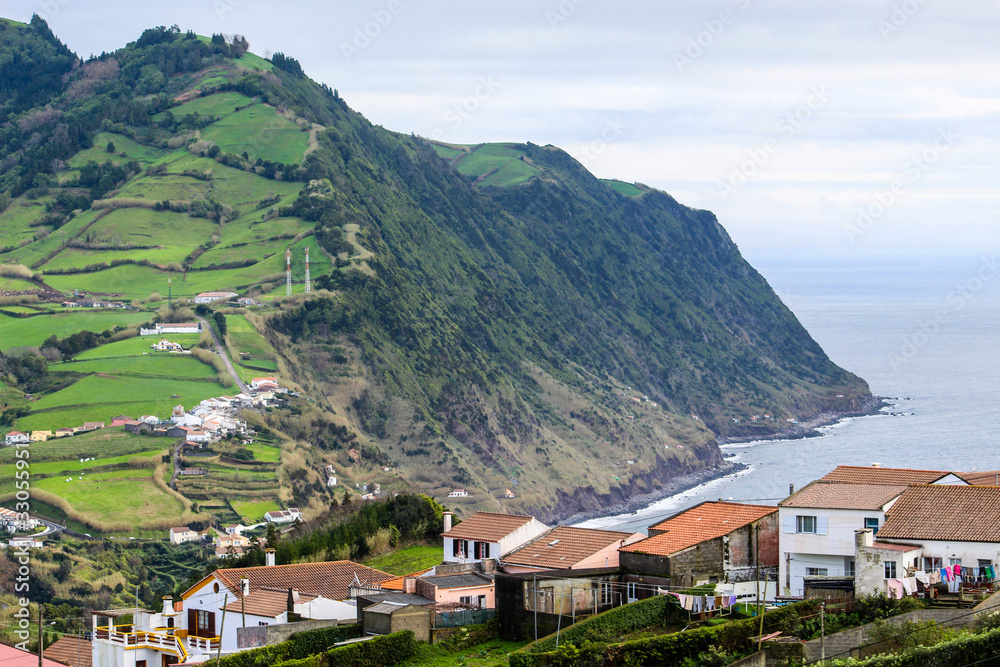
486	535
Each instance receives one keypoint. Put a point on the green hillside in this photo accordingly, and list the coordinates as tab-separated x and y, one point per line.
487	316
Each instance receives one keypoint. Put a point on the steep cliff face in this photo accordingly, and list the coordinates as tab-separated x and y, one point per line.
510	323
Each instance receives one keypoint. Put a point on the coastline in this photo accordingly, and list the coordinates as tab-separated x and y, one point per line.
671	488
675	486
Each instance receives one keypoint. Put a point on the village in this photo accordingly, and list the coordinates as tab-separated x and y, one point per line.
856	532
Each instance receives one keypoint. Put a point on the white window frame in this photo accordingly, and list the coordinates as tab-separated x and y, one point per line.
889	569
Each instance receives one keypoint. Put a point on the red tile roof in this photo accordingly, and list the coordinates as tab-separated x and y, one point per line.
12	657
488	526
952	513
701	523
822	495
331	579
880	475
73	651
564	546
982	478
397	583
268	602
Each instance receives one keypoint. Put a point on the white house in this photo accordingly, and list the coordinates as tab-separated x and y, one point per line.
15	437
283	516
182	535
209	297
818	523
488	535
458	493
256	382
161	328
167	346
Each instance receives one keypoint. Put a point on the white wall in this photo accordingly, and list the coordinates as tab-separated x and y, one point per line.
525	533
803	550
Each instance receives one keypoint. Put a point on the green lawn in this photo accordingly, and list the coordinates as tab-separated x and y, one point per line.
243	338
129	281
265	453
16	218
261	132
510	169
488	654
35	252
104	443
21	331
407	560
99	151
447	152
253	511
56	468
627	189
161	364
159	187
134	347
220	104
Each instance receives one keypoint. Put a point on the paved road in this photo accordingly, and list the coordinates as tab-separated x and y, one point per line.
177	465
220	349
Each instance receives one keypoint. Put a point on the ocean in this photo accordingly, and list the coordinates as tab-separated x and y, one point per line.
924	334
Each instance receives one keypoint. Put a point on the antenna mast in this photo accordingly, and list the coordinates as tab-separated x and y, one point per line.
288	272
308	283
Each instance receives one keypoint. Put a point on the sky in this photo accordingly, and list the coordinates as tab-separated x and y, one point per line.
841	130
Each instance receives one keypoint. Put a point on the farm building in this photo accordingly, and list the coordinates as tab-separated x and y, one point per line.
209	297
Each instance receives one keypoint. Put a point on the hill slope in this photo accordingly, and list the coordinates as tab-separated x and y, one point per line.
492	317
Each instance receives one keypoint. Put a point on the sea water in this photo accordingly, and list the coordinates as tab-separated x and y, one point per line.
924	333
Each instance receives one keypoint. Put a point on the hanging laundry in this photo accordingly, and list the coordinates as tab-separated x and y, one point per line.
720	601
685	601
895	587
732	600
922	577
956	570
907	588
710	603
934	577
945	574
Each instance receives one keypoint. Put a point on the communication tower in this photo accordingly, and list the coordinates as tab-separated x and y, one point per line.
288	272
308	283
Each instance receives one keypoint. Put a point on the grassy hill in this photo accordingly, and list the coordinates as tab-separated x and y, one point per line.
491	317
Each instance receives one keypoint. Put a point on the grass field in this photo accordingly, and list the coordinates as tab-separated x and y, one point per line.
133	347
242	338
104	443
253	511
407	560
220	104
265	453
99	398
120	496
159	187
492	653
261	132
57	468
99	151
447	152
164	365
18	331
16	218
37	251
626	189
502	160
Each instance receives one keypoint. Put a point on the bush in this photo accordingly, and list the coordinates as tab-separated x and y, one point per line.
607	626
378	651
300	646
965	650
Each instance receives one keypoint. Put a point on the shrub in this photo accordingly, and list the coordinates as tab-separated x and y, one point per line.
300	646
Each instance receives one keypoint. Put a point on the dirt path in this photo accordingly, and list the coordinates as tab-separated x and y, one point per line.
220	349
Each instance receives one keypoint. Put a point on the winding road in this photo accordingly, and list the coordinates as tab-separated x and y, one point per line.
220	349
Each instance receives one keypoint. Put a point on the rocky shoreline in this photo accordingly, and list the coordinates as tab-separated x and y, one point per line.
808	428
672	487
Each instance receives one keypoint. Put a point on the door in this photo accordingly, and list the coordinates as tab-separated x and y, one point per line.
954	586
631	591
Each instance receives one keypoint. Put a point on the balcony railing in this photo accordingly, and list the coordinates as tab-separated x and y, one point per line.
124	636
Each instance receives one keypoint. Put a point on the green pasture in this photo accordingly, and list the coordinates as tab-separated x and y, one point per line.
99	398
256	232
245	190
253	61
99	151
243	337
133	347
252	511
10	397
129	281
261	132
265	453
219	104
503	158
16	219
145	226
160	187
21	331
36	251
159	364
13	285
447	152
407	560
627	189
74	466
102	444
120	496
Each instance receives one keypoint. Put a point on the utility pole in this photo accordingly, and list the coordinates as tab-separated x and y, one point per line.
41	637
170	292
822	631
222	627
756	532
245	585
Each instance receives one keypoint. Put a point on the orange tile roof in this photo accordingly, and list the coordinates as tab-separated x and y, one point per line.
880	475
946	512
703	522
73	651
564	546
488	526
822	495
268	602
397	583
982	478
331	579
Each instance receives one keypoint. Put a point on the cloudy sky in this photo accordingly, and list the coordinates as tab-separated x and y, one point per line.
842	129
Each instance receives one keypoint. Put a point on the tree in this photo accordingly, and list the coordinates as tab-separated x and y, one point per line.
111	147
271	536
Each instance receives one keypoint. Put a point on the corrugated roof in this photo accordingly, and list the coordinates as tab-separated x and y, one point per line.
73	651
564	546
703	522
954	513
823	495
884	476
385	608
331	579
267	602
488	526
461	580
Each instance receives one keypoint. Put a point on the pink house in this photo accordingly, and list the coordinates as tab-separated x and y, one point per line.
470	589
569	548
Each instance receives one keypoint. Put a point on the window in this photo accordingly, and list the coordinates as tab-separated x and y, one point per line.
872	523
932	564
805	524
481	550
890	569
460	548
984	563
817	571
849	567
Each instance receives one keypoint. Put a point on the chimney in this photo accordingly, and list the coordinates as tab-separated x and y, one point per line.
293	597
245	586
447	522
791	489
410	585
269	557
168	605
864	537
